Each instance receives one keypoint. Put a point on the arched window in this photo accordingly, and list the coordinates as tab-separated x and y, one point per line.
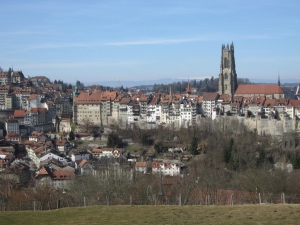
226	76
226	87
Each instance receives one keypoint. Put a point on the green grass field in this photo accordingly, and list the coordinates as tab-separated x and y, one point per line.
244	214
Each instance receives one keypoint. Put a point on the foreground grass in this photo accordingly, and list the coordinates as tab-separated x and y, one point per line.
245	214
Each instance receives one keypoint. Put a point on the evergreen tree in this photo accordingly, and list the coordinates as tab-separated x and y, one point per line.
71	136
113	141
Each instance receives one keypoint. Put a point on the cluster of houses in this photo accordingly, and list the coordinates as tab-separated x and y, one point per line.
54	163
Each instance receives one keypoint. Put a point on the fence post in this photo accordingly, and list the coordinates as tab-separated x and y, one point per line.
49	205
130	200
283	198
107	200
155	199
231	199
84	203
180	200
33	205
259	198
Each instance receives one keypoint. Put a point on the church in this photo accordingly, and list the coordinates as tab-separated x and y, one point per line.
228	80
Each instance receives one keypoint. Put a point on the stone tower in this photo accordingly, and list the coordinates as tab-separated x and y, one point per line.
227	76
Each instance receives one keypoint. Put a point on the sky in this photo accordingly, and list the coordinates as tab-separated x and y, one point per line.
121	40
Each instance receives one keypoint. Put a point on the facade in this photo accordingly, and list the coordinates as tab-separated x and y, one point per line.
6	98
12	125
141	167
80	155
166	168
209	103
5	78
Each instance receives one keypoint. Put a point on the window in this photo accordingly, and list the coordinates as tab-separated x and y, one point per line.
226	76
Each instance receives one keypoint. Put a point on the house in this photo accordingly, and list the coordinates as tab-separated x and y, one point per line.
78	155
62	178
12	136
50	156
141	167
36	136
43	178
170	168
62	145
107	152
85	167
209	102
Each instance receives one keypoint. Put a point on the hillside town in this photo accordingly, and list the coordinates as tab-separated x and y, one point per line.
45	122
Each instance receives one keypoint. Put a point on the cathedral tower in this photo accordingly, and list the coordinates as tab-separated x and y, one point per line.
227	76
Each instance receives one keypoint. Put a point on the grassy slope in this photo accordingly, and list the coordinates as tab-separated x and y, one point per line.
246	214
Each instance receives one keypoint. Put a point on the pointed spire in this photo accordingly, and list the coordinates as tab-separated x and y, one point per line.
278	79
170	91
188	89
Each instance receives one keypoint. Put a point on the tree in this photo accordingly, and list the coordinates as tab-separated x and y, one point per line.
86	125
194	143
159	147
113	141
71	135
73	126
228	150
55	81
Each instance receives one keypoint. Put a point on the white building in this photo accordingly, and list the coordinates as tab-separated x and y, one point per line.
166	168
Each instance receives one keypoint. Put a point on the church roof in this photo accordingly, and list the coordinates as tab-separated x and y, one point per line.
266	89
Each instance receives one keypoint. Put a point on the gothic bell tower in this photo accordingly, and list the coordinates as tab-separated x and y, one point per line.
227	76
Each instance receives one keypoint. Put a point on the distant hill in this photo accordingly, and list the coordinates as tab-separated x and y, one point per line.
148	83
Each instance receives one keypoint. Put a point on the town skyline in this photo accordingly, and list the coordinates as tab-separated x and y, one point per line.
130	40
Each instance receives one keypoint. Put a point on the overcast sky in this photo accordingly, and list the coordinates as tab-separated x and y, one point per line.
94	41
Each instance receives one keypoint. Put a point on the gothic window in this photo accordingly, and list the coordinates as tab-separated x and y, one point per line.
226	76
226	62
226	87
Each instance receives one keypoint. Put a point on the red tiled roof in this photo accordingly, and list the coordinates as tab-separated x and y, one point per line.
266	89
81	164
63	175
210	96
140	164
12	135
20	113
275	102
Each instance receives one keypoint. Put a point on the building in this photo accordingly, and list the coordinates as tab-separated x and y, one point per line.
227	76
166	168
209	103
12	125
270	91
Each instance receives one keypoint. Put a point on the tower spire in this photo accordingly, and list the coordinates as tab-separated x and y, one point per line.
188	89
278	78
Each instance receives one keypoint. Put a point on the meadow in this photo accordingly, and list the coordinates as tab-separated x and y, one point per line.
217	215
